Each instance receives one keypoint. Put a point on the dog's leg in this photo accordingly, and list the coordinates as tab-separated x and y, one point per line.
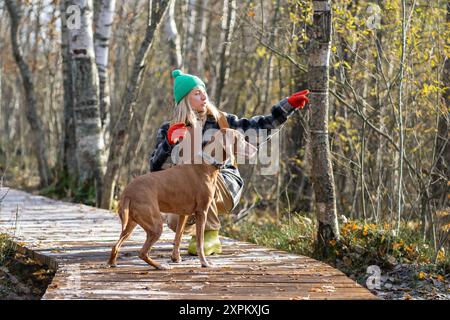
153	227
178	235
143	254
200	218
126	233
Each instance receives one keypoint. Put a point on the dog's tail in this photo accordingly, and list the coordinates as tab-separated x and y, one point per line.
124	211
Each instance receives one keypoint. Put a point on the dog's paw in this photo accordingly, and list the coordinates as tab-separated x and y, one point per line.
112	265
162	267
208	265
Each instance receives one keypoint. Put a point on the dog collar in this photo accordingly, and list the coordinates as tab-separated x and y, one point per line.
211	160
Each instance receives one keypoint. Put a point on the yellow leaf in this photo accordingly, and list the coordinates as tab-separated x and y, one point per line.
421	275
261	51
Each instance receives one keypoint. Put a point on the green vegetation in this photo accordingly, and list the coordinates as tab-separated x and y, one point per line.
360	244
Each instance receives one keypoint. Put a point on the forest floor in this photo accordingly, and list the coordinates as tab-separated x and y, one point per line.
407	270
21	278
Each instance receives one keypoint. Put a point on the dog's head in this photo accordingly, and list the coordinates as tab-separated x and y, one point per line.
227	144
224	145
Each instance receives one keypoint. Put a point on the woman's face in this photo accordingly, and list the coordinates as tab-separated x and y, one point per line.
198	99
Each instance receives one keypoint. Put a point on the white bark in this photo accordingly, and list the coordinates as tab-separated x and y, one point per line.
102	37
190	32
172	36
90	142
318	83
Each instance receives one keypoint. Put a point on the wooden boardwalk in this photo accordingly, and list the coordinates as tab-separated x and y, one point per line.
76	241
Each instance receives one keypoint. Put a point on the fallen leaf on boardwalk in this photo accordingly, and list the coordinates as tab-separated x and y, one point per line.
315	290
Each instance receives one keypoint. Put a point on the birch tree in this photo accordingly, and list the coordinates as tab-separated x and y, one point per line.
201	37
156	11
223	68
33	119
173	37
70	163
189	40
89	138
103	24
318	84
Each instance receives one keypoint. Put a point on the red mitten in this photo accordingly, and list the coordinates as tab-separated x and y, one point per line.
176	131
299	99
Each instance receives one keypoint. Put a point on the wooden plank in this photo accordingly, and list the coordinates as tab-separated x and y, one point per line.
76	240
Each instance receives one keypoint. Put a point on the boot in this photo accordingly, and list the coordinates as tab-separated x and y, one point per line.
211	244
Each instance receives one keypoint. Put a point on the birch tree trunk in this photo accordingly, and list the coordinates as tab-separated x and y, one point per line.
172	36
322	171
201	46
188	49
103	24
33	119
88	129
156	13
70	160
223	68
400	122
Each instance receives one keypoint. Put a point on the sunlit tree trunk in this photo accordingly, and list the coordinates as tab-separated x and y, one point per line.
88	129
39	143
70	163
103	23
119	136
172	36
201	45
223	67
322	171
189	40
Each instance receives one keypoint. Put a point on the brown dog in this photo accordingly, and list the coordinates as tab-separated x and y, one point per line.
184	189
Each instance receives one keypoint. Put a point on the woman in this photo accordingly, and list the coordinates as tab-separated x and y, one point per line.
193	108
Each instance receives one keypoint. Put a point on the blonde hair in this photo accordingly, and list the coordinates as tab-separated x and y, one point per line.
183	112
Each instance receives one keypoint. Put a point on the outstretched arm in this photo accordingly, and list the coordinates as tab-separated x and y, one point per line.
278	115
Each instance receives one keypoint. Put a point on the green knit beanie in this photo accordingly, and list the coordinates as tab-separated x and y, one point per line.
184	83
